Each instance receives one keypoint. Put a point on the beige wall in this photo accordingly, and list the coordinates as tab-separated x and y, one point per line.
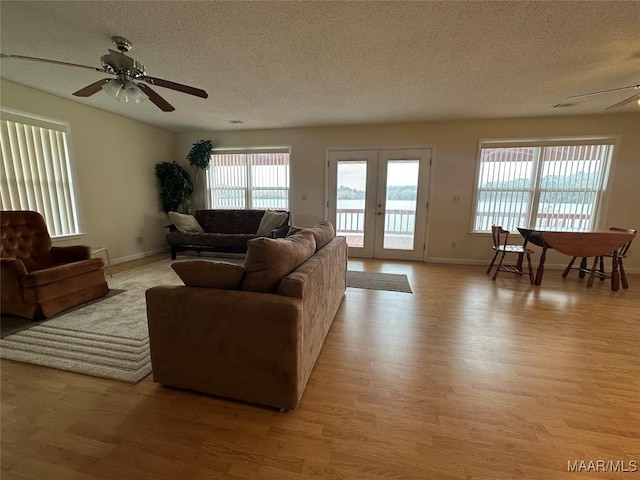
115	159
456	144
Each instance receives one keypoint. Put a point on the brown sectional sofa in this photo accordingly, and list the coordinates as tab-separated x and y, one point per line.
244	344
226	231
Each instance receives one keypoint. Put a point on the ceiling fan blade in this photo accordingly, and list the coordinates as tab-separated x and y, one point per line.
605	91
160	102
627	100
91	89
175	86
45	60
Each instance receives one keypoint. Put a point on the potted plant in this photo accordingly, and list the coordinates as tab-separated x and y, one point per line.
175	187
200	156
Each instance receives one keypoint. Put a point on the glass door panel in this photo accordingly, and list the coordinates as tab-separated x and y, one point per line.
351	198
350	201
401	204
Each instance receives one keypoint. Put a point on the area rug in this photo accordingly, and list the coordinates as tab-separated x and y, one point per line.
392	282
11	324
106	339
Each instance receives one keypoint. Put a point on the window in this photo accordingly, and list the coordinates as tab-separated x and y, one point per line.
251	179
37	173
541	185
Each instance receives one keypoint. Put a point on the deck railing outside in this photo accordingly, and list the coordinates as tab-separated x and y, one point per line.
574	222
351	220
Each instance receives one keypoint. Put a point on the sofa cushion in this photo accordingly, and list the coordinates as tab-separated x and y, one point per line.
185	223
229	221
271	220
323	232
293	230
269	260
207	274
221	241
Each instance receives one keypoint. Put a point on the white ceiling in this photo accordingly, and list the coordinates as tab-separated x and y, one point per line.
287	64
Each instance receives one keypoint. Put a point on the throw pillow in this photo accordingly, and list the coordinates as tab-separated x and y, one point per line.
271	220
185	223
202	273
323	232
293	230
269	260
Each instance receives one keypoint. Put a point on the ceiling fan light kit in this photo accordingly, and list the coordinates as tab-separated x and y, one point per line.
124	92
127	71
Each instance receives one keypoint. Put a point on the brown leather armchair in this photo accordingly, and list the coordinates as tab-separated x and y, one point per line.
39	280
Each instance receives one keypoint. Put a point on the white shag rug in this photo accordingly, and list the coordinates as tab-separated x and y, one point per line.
106	339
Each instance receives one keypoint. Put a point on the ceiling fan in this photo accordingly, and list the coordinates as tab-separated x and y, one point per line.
632	98
128	72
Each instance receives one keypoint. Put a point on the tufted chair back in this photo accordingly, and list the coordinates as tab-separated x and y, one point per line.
25	237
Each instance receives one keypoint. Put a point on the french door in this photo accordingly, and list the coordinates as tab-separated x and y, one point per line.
378	200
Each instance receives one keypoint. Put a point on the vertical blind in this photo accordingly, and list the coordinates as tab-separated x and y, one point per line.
547	186
249	179
36	172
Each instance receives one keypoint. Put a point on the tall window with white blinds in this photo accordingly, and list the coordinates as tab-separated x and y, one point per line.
37	173
249	179
545	186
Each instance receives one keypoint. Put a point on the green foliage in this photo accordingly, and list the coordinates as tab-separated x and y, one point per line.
200	155
574	188
175	185
394	192
348	193
402	192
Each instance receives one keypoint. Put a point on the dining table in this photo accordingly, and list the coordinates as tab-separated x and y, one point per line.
578	244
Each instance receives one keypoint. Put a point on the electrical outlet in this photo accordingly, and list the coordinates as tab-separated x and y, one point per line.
456	199
304	196
140	239
453	245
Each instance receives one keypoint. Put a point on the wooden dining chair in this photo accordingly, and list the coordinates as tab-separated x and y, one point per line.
597	269
502	247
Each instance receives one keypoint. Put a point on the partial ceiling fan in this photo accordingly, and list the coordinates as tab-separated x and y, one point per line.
632	98
128	72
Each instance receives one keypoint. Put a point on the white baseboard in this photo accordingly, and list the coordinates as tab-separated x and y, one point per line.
456	261
137	256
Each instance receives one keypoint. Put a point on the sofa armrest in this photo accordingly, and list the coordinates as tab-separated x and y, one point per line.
236	344
280	232
12	272
70	254
171	227
13	267
57	273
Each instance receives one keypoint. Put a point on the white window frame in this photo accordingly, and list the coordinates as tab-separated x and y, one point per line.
38	173
249	187
602	193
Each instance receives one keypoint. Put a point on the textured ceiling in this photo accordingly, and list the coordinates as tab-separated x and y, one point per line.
286	64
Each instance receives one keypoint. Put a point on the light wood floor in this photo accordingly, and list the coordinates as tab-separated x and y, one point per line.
463	379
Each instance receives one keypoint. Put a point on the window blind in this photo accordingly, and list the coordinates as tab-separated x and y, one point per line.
547	186
36	172
252	179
